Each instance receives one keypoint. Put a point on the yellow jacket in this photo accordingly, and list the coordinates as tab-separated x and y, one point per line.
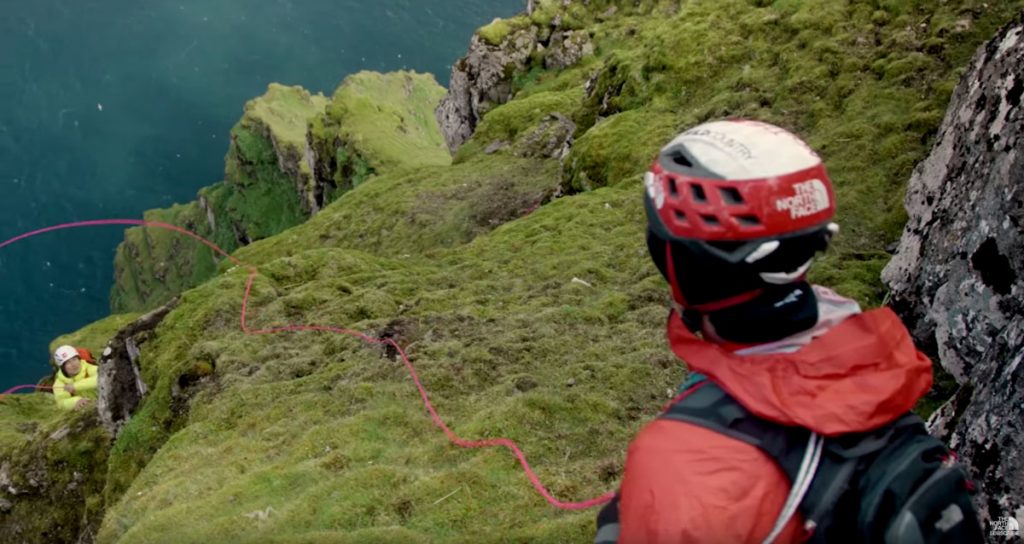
84	382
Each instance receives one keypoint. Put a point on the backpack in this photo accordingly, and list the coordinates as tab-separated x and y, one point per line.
85	355
896	484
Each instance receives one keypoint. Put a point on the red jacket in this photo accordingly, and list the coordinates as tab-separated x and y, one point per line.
684	483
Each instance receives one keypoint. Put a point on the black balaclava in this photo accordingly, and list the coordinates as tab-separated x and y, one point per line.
732	298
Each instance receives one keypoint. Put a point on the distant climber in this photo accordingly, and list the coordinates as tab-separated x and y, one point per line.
74	385
795	421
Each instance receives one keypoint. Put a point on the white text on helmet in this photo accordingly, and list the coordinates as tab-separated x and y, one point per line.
811	197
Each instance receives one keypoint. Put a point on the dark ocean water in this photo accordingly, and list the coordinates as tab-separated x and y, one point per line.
112	107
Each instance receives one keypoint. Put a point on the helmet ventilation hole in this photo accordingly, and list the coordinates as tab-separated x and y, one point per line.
680	217
731	195
698	193
748	220
680	159
711	220
672	189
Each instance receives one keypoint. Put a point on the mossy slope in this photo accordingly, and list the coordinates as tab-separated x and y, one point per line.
541	325
52	465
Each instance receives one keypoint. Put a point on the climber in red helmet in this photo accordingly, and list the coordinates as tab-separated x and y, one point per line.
793	389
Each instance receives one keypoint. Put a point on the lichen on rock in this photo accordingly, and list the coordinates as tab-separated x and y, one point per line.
482	80
958	275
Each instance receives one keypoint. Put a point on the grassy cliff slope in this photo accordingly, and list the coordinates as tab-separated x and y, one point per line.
291	154
527	316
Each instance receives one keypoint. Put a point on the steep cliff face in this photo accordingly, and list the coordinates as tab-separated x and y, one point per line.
290	155
268	187
374	123
958	275
526	315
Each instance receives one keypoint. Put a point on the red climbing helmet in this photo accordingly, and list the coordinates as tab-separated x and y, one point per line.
734	207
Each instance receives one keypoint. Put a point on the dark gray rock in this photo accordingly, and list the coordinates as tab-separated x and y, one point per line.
482	80
121	388
957	277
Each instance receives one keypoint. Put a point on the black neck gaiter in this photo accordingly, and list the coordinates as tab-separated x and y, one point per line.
781	311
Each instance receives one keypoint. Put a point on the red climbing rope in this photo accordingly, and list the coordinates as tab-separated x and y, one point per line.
17	388
452	437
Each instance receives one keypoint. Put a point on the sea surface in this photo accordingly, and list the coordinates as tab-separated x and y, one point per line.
112	107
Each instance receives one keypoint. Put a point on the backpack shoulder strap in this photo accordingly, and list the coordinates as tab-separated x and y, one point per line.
705	404
709	406
889	451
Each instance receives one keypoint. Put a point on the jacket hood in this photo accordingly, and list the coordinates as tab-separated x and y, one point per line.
857	376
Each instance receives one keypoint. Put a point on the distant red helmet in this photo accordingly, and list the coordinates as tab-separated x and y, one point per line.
742	204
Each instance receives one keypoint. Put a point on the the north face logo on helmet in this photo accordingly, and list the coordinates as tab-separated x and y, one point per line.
811	197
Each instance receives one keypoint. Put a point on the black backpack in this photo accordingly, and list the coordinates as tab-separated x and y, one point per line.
897	484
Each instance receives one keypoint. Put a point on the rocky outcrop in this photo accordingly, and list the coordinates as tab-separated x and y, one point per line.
397	109
567	48
498	54
958	275
482	80
121	388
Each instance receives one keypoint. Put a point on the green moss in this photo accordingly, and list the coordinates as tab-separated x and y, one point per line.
618	149
477	327
510	122
416	212
264	165
388	119
153	265
285	111
499	29
536	319
57	468
21	415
